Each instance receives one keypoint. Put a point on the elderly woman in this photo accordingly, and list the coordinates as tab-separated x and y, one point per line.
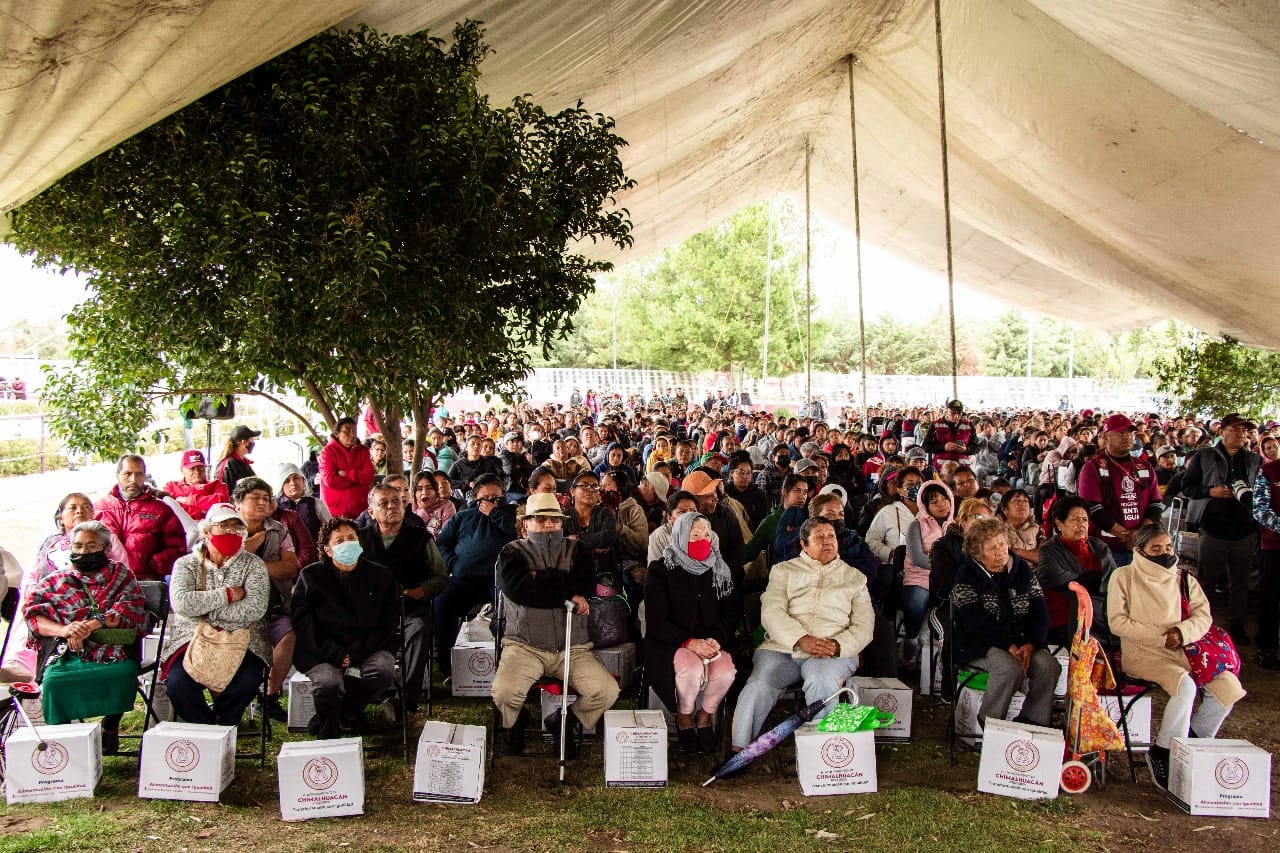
1024	533
693	608
1071	555
1156	610
429	505
817	617
54	554
222	584
1001	625
75	604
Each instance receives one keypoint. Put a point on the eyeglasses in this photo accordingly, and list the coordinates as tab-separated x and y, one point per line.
490	500
590	487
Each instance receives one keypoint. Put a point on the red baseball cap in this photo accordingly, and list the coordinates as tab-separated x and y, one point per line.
192	458
1118	423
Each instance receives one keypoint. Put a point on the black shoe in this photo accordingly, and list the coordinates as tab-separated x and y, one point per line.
513	743
1240	636
572	734
272	708
688	739
707	740
1268	659
1158	764
110	741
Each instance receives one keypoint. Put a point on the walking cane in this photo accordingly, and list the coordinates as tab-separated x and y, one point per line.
569	607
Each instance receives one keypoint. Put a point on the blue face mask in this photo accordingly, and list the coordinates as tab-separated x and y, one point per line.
913	492
347	553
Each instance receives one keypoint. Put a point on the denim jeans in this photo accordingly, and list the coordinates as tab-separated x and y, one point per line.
773	672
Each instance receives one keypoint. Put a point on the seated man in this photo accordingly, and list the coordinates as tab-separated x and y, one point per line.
345	611
538	575
817	616
413	560
195	492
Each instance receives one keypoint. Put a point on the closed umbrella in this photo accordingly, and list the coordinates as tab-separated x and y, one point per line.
776	735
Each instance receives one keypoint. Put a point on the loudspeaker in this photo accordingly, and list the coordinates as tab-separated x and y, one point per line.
205	409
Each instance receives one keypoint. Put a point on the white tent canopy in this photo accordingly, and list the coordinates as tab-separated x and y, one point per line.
1111	163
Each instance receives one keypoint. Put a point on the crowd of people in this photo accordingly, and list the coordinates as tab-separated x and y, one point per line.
756	553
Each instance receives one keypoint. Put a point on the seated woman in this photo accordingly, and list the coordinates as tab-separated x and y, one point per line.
226	586
817	616
1072	555
1024	533
1147	610
345	611
1001	625
95	592
433	508
936	511
693	608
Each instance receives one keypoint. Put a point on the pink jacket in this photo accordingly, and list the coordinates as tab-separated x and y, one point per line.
922	533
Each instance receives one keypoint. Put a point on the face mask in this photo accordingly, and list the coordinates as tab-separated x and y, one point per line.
347	553
700	550
913	492
612	500
228	544
90	562
1168	561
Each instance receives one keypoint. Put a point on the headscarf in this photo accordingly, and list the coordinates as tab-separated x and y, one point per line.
676	554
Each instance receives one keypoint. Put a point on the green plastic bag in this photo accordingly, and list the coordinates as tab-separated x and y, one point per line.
978	682
855	718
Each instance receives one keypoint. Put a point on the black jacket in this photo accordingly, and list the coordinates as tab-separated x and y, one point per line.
411	557
333	620
997	611
516	469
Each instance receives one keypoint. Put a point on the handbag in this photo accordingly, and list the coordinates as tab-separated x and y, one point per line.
610	610
1212	654
214	655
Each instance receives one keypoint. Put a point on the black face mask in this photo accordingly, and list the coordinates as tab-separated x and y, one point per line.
90	562
838	524
1168	561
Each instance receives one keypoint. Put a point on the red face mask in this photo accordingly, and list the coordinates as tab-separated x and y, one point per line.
228	544
700	550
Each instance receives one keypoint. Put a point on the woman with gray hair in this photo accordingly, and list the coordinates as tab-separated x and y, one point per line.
225	586
1002	625
94	612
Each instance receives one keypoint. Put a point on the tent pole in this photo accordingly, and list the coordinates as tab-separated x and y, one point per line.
946	199
768	287
857	230
808	281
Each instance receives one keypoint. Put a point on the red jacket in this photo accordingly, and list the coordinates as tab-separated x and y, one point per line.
151	534
198	500
347	494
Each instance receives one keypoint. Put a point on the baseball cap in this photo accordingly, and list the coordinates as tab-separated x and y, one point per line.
192	458
803	466
243	433
222	512
698	483
955	405
661	485
1163	449
1236	419
514	435
837	490
1118	423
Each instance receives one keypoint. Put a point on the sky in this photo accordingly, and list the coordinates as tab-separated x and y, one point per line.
34	294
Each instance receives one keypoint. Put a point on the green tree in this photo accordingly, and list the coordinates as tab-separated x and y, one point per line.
1220	376
351	220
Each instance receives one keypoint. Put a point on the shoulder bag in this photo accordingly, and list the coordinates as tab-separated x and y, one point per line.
214	655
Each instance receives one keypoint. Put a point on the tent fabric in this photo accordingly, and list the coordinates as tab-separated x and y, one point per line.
1111	163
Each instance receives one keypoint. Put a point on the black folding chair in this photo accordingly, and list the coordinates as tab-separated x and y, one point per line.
386	743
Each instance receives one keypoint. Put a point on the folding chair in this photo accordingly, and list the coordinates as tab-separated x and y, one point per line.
1127	693
952	733
387	744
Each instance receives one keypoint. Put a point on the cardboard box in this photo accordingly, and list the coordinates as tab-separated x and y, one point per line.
68	768
473	666
1064	660
1139	719
1228	778
450	766
151	646
967	713
550	703
620	660
1020	761
321	778
635	749
891	695
835	762
302	705
185	761
931	674
34	710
